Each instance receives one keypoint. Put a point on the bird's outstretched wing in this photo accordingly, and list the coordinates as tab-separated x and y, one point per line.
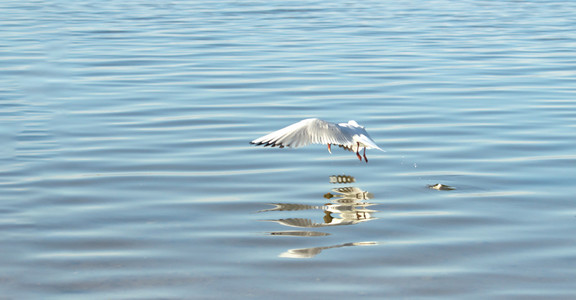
309	131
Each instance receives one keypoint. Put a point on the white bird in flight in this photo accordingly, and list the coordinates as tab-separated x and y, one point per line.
349	136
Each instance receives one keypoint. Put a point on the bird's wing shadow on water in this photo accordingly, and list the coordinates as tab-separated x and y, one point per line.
348	206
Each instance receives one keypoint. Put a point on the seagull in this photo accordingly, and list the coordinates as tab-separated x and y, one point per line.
349	136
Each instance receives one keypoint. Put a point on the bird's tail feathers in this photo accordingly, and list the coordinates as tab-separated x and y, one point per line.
368	142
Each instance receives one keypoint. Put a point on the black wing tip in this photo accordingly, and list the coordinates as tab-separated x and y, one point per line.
266	144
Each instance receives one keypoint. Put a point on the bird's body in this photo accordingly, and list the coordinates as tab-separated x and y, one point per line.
349	136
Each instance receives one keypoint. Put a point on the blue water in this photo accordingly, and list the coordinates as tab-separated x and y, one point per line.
126	170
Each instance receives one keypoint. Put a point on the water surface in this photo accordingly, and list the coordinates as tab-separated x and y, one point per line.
127	171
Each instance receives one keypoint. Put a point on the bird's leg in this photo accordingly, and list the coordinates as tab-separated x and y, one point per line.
329	150
358	149
366	159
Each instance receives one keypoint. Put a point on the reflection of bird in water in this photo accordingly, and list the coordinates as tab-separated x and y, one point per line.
349	203
311	252
347	215
347	207
349	136
342	179
349	195
299	233
289	207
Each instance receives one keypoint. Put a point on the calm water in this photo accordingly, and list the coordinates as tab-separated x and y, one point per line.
126	171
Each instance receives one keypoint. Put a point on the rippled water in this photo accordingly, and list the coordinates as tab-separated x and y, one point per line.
127	171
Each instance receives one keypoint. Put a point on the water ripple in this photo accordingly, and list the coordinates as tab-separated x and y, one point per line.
127	171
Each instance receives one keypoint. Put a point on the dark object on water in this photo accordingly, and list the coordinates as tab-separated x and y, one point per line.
441	187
